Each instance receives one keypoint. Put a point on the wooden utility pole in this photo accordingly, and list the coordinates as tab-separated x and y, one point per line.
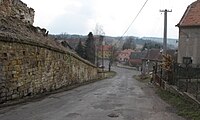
101	38
165	30
97	51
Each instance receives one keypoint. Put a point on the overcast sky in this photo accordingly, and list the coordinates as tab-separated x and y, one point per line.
81	16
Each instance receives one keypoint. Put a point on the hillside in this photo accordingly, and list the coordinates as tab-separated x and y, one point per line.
117	41
170	41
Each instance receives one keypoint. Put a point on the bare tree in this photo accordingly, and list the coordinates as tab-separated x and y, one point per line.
129	43
99	30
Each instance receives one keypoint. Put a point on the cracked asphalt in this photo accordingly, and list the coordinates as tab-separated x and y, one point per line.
118	98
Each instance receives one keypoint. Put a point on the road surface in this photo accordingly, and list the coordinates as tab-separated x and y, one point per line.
118	98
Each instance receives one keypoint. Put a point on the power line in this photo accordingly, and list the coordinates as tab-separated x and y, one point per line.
129	26
131	22
134	19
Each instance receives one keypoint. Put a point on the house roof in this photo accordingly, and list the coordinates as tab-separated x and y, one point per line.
191	17
126	51
135	61
105	47
138	55
153	54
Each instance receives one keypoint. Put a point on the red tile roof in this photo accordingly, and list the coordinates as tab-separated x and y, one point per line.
127	51
135	61
105	48
191	16
138	55
156	55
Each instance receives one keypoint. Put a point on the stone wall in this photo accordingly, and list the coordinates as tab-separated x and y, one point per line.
29	68
17	9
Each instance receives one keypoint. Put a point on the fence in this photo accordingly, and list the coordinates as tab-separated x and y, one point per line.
185	77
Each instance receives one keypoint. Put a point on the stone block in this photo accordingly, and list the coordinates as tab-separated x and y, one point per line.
9	97
1	67
14	96
9	92
3	95
2	99
19	61
14	62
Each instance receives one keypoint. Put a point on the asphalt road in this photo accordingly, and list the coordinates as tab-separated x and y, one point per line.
118	98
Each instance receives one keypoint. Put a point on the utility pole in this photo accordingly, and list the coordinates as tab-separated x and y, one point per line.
97	51
101	38
165	30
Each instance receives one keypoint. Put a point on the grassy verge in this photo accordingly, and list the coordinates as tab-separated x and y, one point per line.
184	108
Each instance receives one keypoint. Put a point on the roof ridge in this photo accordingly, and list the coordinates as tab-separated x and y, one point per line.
191	15
186	13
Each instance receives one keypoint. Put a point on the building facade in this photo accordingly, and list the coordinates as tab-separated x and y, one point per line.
104	51
124	55
189	34
136	58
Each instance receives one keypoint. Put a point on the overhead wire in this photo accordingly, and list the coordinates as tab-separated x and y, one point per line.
130	25
126	82
134	19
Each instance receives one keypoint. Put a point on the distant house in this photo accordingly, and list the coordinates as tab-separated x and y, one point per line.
153	57
136	58
189	34
104	51
124	56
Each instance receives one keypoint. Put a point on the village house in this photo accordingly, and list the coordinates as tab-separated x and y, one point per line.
189	34
105	51
154	58
124	55
136	58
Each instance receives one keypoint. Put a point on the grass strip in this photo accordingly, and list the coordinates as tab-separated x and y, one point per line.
184	108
